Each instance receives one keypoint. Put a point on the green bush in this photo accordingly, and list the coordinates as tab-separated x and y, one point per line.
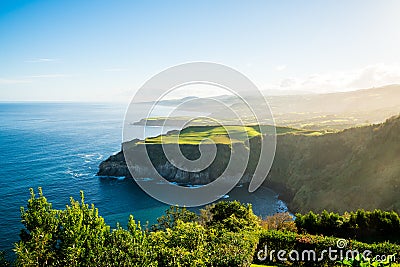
81	235
282	221
172	215
183	245
227	234
227	249
38	245
362	225
78	236
230	215
131	247
289	241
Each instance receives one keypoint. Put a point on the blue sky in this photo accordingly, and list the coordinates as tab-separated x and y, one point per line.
104	50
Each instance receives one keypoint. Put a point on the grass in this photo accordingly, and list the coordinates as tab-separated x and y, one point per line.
194	135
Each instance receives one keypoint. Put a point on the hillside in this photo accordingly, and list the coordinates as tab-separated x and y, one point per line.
355	168
229	134
241	139
329	111
335	111
347	170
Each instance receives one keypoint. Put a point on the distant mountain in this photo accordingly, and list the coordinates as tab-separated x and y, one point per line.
332	111
281	92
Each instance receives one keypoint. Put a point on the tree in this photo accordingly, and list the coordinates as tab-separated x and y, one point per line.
38	243
282	221
78	236
81	234
231	216
172	215
130	247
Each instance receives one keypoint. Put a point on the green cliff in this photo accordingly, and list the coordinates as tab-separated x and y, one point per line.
355	168
342	171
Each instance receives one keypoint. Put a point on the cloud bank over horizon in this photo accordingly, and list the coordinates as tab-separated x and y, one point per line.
370	76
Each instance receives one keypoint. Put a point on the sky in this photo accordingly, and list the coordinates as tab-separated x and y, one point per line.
105	50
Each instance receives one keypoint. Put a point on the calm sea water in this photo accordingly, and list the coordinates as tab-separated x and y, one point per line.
59	147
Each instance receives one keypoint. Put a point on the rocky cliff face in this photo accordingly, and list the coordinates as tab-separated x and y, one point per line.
116	165
352	169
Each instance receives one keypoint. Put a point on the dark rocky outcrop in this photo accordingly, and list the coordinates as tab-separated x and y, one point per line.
116	165
348	170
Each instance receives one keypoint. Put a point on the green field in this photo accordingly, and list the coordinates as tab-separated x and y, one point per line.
193	135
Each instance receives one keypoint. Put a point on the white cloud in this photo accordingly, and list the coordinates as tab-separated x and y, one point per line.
115	69
288	82
40	60
28	79
56	75
366	77
13	81
280	68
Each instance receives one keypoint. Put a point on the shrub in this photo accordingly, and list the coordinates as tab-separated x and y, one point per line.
195	244
182	245
81	235
289	241
130	247
279	221
78	236
38	245
362	225
227	235
227	249
172	215
231	216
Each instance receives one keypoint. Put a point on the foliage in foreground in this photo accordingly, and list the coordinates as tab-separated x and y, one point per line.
78	236
362	261
362	225
225	234
275	240
282	221
3	260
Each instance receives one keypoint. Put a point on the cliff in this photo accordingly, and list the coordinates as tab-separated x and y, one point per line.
116	166
351	169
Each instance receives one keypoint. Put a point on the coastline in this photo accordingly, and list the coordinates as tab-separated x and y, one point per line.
284	193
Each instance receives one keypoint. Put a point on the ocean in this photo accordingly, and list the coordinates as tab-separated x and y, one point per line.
59	146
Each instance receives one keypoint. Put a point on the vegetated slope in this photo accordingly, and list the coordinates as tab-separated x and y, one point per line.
343	171
335	111
329	111
189	140
355	168
194	135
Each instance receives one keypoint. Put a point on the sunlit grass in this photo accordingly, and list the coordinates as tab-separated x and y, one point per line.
197	134
194	135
